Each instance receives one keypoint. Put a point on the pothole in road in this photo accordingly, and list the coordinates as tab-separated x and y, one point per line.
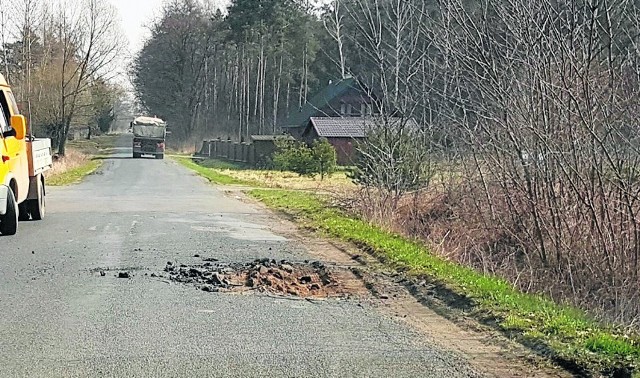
303	280
120	272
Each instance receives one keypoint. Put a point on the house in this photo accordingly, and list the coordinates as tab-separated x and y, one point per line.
344	133
344	98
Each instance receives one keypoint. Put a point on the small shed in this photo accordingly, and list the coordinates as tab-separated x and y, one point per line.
265	146
78	132
342	133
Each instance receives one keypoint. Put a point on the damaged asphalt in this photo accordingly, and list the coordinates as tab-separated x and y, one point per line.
69	310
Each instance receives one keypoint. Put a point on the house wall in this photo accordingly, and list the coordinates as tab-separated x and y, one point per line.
348	105
296	132
345	149
78	133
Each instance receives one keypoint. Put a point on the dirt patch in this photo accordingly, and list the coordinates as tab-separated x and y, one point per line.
303	280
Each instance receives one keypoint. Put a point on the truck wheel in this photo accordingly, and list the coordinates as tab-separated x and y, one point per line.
37	207
23	214
9	221
160	156
137	155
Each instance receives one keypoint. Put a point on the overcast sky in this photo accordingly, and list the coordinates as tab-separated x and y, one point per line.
134	15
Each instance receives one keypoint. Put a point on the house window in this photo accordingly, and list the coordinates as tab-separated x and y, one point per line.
363	109
343	109
349	109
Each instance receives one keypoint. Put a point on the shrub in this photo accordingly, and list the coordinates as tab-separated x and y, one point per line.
325	157
295	157
298	157
394	160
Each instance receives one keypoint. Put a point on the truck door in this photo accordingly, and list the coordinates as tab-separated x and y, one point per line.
14	153
4	164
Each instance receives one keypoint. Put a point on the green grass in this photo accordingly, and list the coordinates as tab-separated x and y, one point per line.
211	174
569	332
83	157
74	175
263	178
220	165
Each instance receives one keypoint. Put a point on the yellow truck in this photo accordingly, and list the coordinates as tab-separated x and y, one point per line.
23	162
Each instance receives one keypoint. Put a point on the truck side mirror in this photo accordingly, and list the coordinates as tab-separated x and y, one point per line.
19	124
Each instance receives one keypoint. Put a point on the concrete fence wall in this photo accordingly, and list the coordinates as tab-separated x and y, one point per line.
228	150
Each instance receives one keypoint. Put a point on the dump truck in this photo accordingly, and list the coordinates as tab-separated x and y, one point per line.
149	134
23	163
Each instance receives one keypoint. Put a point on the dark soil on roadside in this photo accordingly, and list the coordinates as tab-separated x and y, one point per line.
297	279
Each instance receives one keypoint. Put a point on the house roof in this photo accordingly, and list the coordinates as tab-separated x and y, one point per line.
320	101
349	127
336	127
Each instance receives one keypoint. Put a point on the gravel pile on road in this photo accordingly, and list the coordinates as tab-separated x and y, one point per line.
305	280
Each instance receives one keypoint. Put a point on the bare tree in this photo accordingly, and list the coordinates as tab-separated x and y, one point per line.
334	25
91	45
546	95
532	107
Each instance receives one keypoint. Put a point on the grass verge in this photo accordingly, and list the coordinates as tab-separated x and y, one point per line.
97	146
213	175
569	334
337	182
81	159
72	170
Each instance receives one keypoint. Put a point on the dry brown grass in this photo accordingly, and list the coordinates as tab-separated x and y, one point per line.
79	159
337	183
457	226
97	145
72	160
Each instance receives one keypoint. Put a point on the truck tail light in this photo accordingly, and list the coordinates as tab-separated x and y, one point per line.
161	145
5	158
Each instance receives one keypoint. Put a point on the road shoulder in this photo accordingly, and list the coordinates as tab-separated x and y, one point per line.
485	349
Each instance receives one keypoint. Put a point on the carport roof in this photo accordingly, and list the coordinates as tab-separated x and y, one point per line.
269	138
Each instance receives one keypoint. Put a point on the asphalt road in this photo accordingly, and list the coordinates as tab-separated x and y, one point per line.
60	318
